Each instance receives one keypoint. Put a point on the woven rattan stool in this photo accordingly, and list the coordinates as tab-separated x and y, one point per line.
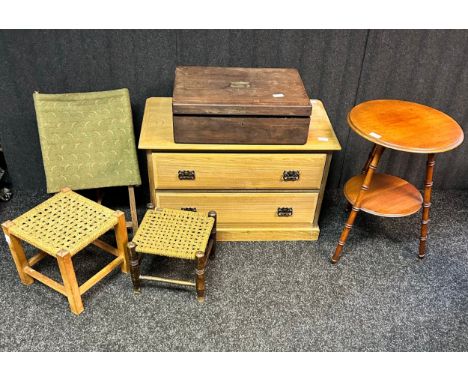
60	227
174	233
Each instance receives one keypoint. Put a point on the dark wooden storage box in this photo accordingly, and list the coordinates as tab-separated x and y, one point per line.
240	106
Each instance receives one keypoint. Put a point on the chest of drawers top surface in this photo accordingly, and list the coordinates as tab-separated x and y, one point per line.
157	132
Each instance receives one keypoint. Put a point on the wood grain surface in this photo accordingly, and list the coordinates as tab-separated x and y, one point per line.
246	207
387	195
157	132
405	126
237	171
239	91
231	232
241	130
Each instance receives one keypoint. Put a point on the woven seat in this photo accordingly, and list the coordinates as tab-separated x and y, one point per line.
60	227
66	221
173	233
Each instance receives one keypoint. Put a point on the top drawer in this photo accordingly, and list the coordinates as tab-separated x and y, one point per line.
238	171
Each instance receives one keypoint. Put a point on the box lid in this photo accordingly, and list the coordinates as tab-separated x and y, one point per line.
239	91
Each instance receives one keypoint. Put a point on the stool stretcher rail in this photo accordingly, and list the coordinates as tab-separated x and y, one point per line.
169	281
100	275
45	280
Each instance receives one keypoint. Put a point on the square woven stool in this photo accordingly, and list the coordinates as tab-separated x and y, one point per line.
61	227
174	233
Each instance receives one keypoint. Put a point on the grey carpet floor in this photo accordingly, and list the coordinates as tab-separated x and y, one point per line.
269	296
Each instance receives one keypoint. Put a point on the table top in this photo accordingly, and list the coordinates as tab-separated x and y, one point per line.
157	132
405	126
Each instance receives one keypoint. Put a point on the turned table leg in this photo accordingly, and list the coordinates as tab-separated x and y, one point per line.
426	204
364	171
377	153
369	160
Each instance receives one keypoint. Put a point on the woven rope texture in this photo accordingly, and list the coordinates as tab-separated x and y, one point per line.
173	233
65	221
87	139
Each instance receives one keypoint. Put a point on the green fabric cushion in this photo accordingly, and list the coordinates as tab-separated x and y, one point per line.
87	139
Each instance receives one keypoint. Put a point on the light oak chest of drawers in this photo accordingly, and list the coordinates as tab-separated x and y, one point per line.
260	192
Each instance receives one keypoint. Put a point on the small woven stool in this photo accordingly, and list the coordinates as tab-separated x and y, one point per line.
174	233
61	227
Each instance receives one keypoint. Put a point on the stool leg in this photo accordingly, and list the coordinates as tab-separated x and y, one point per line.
212	255
121	237
17	252
426	204
357	203
69	281
135	261
200	271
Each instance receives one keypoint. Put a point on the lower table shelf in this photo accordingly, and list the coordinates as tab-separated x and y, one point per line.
388	195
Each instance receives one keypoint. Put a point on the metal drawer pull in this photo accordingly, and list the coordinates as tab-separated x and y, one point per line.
192	209
291	175
285	211
186	175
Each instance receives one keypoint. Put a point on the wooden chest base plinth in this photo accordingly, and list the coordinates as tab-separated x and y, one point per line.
232	233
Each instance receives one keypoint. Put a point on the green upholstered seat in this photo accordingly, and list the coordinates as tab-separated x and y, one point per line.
87	139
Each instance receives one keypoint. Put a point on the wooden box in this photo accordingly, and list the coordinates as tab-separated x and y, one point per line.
260	192
240	106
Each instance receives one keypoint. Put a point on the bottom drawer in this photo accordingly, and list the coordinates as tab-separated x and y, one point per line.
248	209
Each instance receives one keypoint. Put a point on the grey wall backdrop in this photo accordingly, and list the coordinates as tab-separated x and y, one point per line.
342	68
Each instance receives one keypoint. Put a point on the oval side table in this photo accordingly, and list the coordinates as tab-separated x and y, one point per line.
404	126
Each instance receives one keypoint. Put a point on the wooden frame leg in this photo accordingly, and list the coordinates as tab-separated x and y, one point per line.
133	211
135	261
70	283
17	252
426	204
357	204
200	281
149	162
212	254
121	238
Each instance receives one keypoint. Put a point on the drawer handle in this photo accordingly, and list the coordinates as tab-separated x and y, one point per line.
192	209
291	175
285	211
186	175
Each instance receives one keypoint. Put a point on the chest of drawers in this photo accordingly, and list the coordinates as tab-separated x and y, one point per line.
260	192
